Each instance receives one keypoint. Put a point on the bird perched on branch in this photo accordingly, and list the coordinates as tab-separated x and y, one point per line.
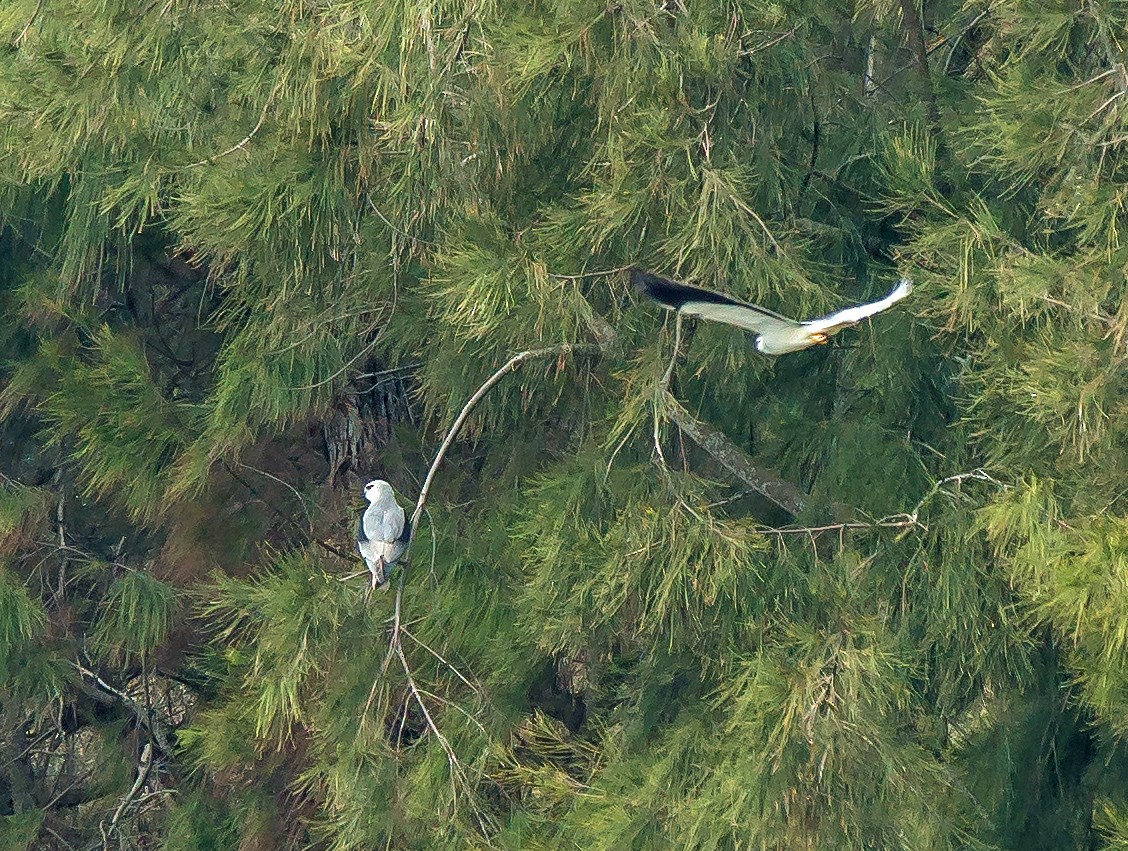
384	532
775	334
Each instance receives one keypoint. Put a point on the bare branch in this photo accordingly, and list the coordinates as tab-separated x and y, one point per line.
742	206
788	496
904	520
160	732
287	485
142	775
512	365
453	669
28	25
579	277
752	51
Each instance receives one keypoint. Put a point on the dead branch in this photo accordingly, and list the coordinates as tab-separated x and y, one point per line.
161	733
903	520
453	669
142	776
788	496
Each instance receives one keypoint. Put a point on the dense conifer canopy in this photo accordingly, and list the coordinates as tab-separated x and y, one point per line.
665	592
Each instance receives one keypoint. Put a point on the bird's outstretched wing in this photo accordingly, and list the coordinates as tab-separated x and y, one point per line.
840	319
715	306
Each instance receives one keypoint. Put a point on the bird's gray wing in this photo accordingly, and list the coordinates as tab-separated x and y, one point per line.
718	307
383	521
853	315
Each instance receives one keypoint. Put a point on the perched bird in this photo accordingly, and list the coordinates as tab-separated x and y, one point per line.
775	334
384	532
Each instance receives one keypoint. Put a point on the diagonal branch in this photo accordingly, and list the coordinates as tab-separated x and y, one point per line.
788	496
246	139
142	776
915	30
101	690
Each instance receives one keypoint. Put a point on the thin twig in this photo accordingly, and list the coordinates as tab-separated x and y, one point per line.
285	518
893	521
368	348
453	669
395	643
238	145
395	229
742	206
457	708
601	274
30	21
752	51
664	387
292	489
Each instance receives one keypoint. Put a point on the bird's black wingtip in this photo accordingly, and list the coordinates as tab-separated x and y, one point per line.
668	293
644	282
675	295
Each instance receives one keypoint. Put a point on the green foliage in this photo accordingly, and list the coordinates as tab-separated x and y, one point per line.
19	505
123	431
198	824
136	617
21	619
238	239
293	619
18	832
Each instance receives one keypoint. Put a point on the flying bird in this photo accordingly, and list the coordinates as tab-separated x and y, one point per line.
775	334
384	532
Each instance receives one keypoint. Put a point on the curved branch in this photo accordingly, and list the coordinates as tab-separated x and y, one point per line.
512	365
243	142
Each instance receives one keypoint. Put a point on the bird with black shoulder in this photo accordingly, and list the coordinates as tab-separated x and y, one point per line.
775	334
384	531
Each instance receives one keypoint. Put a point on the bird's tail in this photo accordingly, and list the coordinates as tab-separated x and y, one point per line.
381	572
382	569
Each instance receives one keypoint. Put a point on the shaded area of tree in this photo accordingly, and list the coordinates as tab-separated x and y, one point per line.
667	592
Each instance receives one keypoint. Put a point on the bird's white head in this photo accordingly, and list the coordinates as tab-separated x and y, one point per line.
377	489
